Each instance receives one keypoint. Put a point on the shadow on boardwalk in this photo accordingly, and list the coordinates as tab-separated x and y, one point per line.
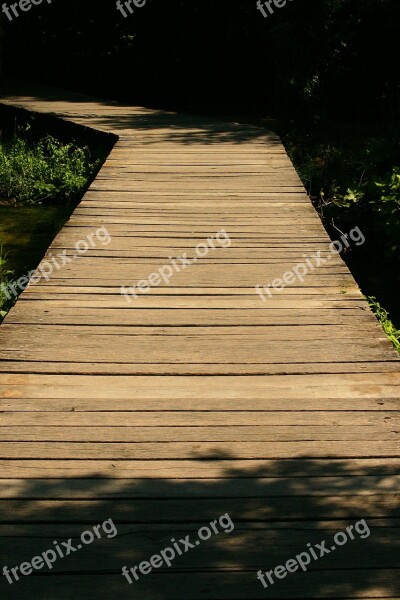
187	129
171	127
276	509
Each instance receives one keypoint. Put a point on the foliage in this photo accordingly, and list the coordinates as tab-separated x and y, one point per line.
387	205
348	171
43	172
348	199
383	194
377	201
383	317
390	187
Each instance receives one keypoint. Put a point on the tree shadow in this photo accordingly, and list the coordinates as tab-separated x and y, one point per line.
168	127
187	129
277	506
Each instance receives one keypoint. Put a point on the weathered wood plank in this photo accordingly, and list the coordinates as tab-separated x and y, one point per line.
49	469
200	419
109	432
220	584
195	450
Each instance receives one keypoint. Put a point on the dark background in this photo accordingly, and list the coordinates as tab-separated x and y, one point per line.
312	58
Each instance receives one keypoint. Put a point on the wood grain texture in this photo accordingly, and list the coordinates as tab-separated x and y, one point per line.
195	399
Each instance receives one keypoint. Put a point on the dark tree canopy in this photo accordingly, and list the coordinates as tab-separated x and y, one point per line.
333	57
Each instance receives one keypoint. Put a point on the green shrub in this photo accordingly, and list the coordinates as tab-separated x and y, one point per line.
377	202
383	193
48	171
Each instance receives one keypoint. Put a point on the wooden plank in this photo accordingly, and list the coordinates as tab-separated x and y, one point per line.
49	469
109	432
150	419
222	584
200	510
272	333
245	487
28	469
97	313
145	541
235	298
81	400
85	344
201	276
97	369
285	387
189	450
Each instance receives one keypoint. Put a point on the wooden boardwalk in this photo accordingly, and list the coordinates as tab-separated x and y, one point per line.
197	399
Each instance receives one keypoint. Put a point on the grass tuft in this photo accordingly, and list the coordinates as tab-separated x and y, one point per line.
48	171
383	317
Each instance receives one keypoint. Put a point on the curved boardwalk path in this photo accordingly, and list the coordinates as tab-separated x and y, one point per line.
197	399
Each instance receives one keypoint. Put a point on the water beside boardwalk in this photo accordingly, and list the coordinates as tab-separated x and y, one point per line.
27	232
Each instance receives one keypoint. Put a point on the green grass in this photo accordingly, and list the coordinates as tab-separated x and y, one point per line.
383	317
47	171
